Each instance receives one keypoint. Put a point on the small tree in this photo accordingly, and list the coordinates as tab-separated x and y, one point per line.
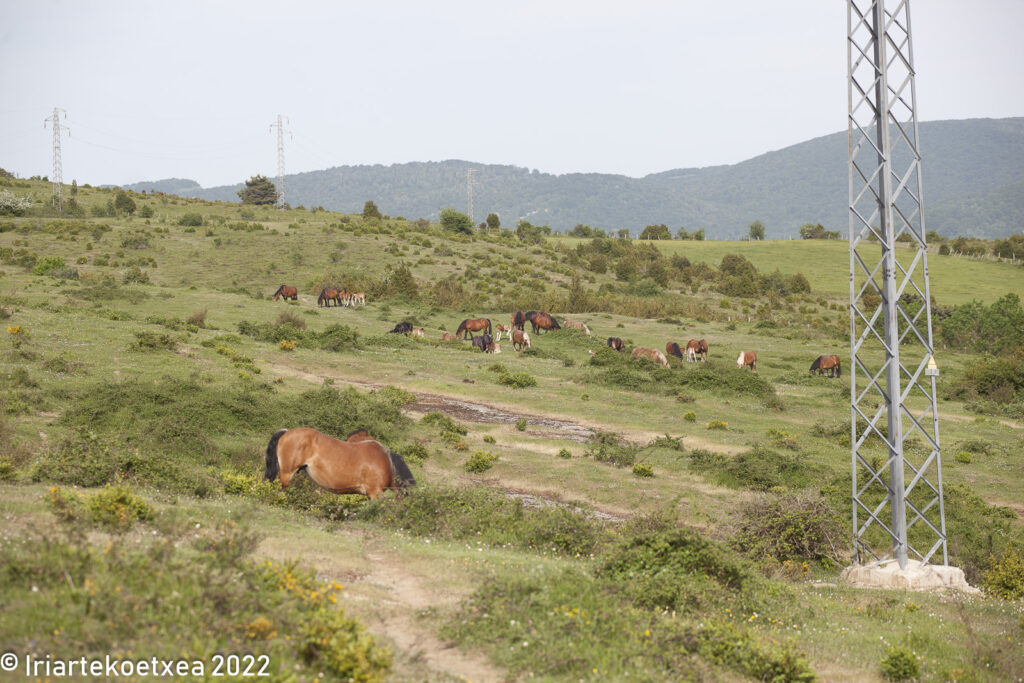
683	234
656	232
456	221
493	222
74	187
123	203
623	234
699	235
756	230
258	190
370	210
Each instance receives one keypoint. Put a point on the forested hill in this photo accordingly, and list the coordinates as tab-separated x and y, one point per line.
973	185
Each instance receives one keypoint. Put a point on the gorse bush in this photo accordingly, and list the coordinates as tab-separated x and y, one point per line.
480	461
1005	575
760	469
788	526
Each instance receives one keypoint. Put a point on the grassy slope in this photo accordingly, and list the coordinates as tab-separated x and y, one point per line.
194	273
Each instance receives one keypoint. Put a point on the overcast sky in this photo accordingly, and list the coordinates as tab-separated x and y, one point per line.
155	90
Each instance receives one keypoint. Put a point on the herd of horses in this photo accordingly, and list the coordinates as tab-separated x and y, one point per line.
361	465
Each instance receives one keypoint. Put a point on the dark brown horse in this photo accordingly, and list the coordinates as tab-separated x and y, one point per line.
288	292
830	363
520	339
327	295
616	343
518	320
471	325
702	349
672	349
358	465
402	328
483	341
543	321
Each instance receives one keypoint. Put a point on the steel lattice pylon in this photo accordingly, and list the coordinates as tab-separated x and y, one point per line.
894	422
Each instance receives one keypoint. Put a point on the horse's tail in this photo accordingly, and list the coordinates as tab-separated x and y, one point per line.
271	472
839	368
488	326
401	475
816	364
462	326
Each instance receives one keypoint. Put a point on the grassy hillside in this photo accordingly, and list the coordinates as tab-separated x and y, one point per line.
619	531
972	171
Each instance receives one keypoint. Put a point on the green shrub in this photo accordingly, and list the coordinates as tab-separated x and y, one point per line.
489	439
564	453
521	425
153	341
517	380
643	469
193	220
50	263
900	664
608	447
135	275
760	469
690	416
717	424
115	507
963	456
1005	575
480	461
444	422
789	526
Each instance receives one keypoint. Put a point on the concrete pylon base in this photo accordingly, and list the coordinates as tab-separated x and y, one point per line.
916	577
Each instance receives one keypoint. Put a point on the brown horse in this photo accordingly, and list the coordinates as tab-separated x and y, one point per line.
327	295
747	359
520	339
702	350
543	321
471	325
616	343
582	327
357	465
830	363
672	349
419	332
518	320
447	336
650	354
288	292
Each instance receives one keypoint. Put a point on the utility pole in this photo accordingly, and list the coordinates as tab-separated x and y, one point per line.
893	370
58	171
280	158
470	182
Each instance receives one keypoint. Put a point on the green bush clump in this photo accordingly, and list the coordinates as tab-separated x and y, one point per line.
193	220
480	461
564	453
963	456
50	263
690	416
489	439
443	422
521	425
643	469
153	341
201	596
115	507
900	664
517	380
290	327
1005	575
788	526
760	469
608	447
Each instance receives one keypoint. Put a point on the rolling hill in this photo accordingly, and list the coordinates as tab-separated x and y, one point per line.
973	177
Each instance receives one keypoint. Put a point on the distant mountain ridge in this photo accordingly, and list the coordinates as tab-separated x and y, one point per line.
973	185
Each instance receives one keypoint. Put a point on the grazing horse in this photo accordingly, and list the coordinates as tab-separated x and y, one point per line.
419	332
358	465
616	343
482	342
830	363
288	292
747	359
693	350
357	298
471	325
520	339
502	329
702	350
582	327
650	354
402	328
543	321
672	349
518	320
327	295
447	336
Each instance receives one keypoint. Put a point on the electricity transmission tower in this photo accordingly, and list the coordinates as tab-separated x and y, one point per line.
897	469
280	158
470	182
58	171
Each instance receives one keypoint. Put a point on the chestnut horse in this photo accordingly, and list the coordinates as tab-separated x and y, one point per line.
502	329
358	465
520	339
672	349
582	327
696	348
702	350
471	325
650	354
747	359
327	295
830	363
288	292
518	320
543	321
615	343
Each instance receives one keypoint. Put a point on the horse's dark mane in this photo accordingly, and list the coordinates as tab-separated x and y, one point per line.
272	469
816	364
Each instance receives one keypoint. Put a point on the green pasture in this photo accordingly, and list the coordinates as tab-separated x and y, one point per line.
173	387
